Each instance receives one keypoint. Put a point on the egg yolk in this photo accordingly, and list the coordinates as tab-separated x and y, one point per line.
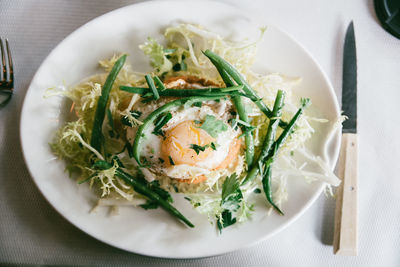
178	141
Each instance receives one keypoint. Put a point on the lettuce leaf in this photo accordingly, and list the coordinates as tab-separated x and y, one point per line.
157	54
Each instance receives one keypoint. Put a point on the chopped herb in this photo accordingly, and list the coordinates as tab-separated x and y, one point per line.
160	122
213	126
226	220
191	102
195	205
231	193
146	163
213	146
197	121
180	65
257	191
177	67
198	148
152	151
197	104
292	153
171	160
230	201
161	160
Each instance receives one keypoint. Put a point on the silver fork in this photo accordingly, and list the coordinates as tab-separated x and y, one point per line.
7	76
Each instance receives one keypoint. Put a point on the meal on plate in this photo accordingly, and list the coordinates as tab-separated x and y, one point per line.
201	123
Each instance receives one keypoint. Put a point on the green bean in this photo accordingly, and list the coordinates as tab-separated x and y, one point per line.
269	159
266	182
143	189
237	100
153	116
97	138
159	83
248	136
234	90
272	152
238	78
269	137
289	129
151	85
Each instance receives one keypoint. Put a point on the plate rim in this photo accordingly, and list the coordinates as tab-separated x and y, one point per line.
312	200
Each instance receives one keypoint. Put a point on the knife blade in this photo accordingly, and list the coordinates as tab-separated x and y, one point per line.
349	86
345	240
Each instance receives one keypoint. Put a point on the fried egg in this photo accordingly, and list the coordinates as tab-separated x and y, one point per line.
173	153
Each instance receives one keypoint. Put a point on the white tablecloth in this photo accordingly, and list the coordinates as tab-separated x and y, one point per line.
32	232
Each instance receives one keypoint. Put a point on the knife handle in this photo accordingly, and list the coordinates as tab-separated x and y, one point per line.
345	234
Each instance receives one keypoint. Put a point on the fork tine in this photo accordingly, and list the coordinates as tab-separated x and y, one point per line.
3	60
10	64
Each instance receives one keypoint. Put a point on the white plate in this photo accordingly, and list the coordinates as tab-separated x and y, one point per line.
155	233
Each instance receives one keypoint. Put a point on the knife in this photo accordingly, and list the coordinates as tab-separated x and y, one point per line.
345	239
